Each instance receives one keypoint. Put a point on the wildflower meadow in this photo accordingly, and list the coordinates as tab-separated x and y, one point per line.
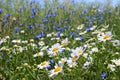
59	40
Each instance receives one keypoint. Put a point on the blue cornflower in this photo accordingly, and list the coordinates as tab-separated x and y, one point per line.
81	38
72	33
0	10
84	11
42	25
89	27
60	29
16	28
103	75
55	13
53	26
67	19
44	20
40	35
74	11
52	61
63	7
8	15
58	33
33	11
66	27
30	26
48	15
32	16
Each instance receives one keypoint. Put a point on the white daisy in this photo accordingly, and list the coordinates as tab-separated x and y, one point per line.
64	42
38	54
44	64
111	67
71	63
62	61
55	71
95	49
116	61
55	49
16	41
104	36
78	50
41	43
116	43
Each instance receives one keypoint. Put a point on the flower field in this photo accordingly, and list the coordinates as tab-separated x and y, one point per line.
59	40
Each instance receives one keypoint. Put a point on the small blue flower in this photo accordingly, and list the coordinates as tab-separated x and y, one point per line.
52	61
66	27
16	28
40	35
0	10
31	17
44	20
60	29
81	38
8	15
89	27
84	11
74	11
53	26
67	19
30	26
72	33
48	15
103	75
58	34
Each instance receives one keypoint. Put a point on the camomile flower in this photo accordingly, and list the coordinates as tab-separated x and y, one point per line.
31	40
43	65
87	65
111	67
25	42
80	27
16	41
22	31
7	37
77	38
64	42
38	54
41	43
20	49
49	35
62	61
74	56
78	50
95	49
55	49
116	43
104	36
85	55
44	47
116	61
55	71
71	63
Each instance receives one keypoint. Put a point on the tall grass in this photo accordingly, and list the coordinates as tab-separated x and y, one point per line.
24	24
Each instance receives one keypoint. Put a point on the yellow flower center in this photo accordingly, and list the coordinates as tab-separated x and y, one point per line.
74	58
79	51
63	60
57	69
43	63
106	36
64	43
73	65
54	49
17	40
